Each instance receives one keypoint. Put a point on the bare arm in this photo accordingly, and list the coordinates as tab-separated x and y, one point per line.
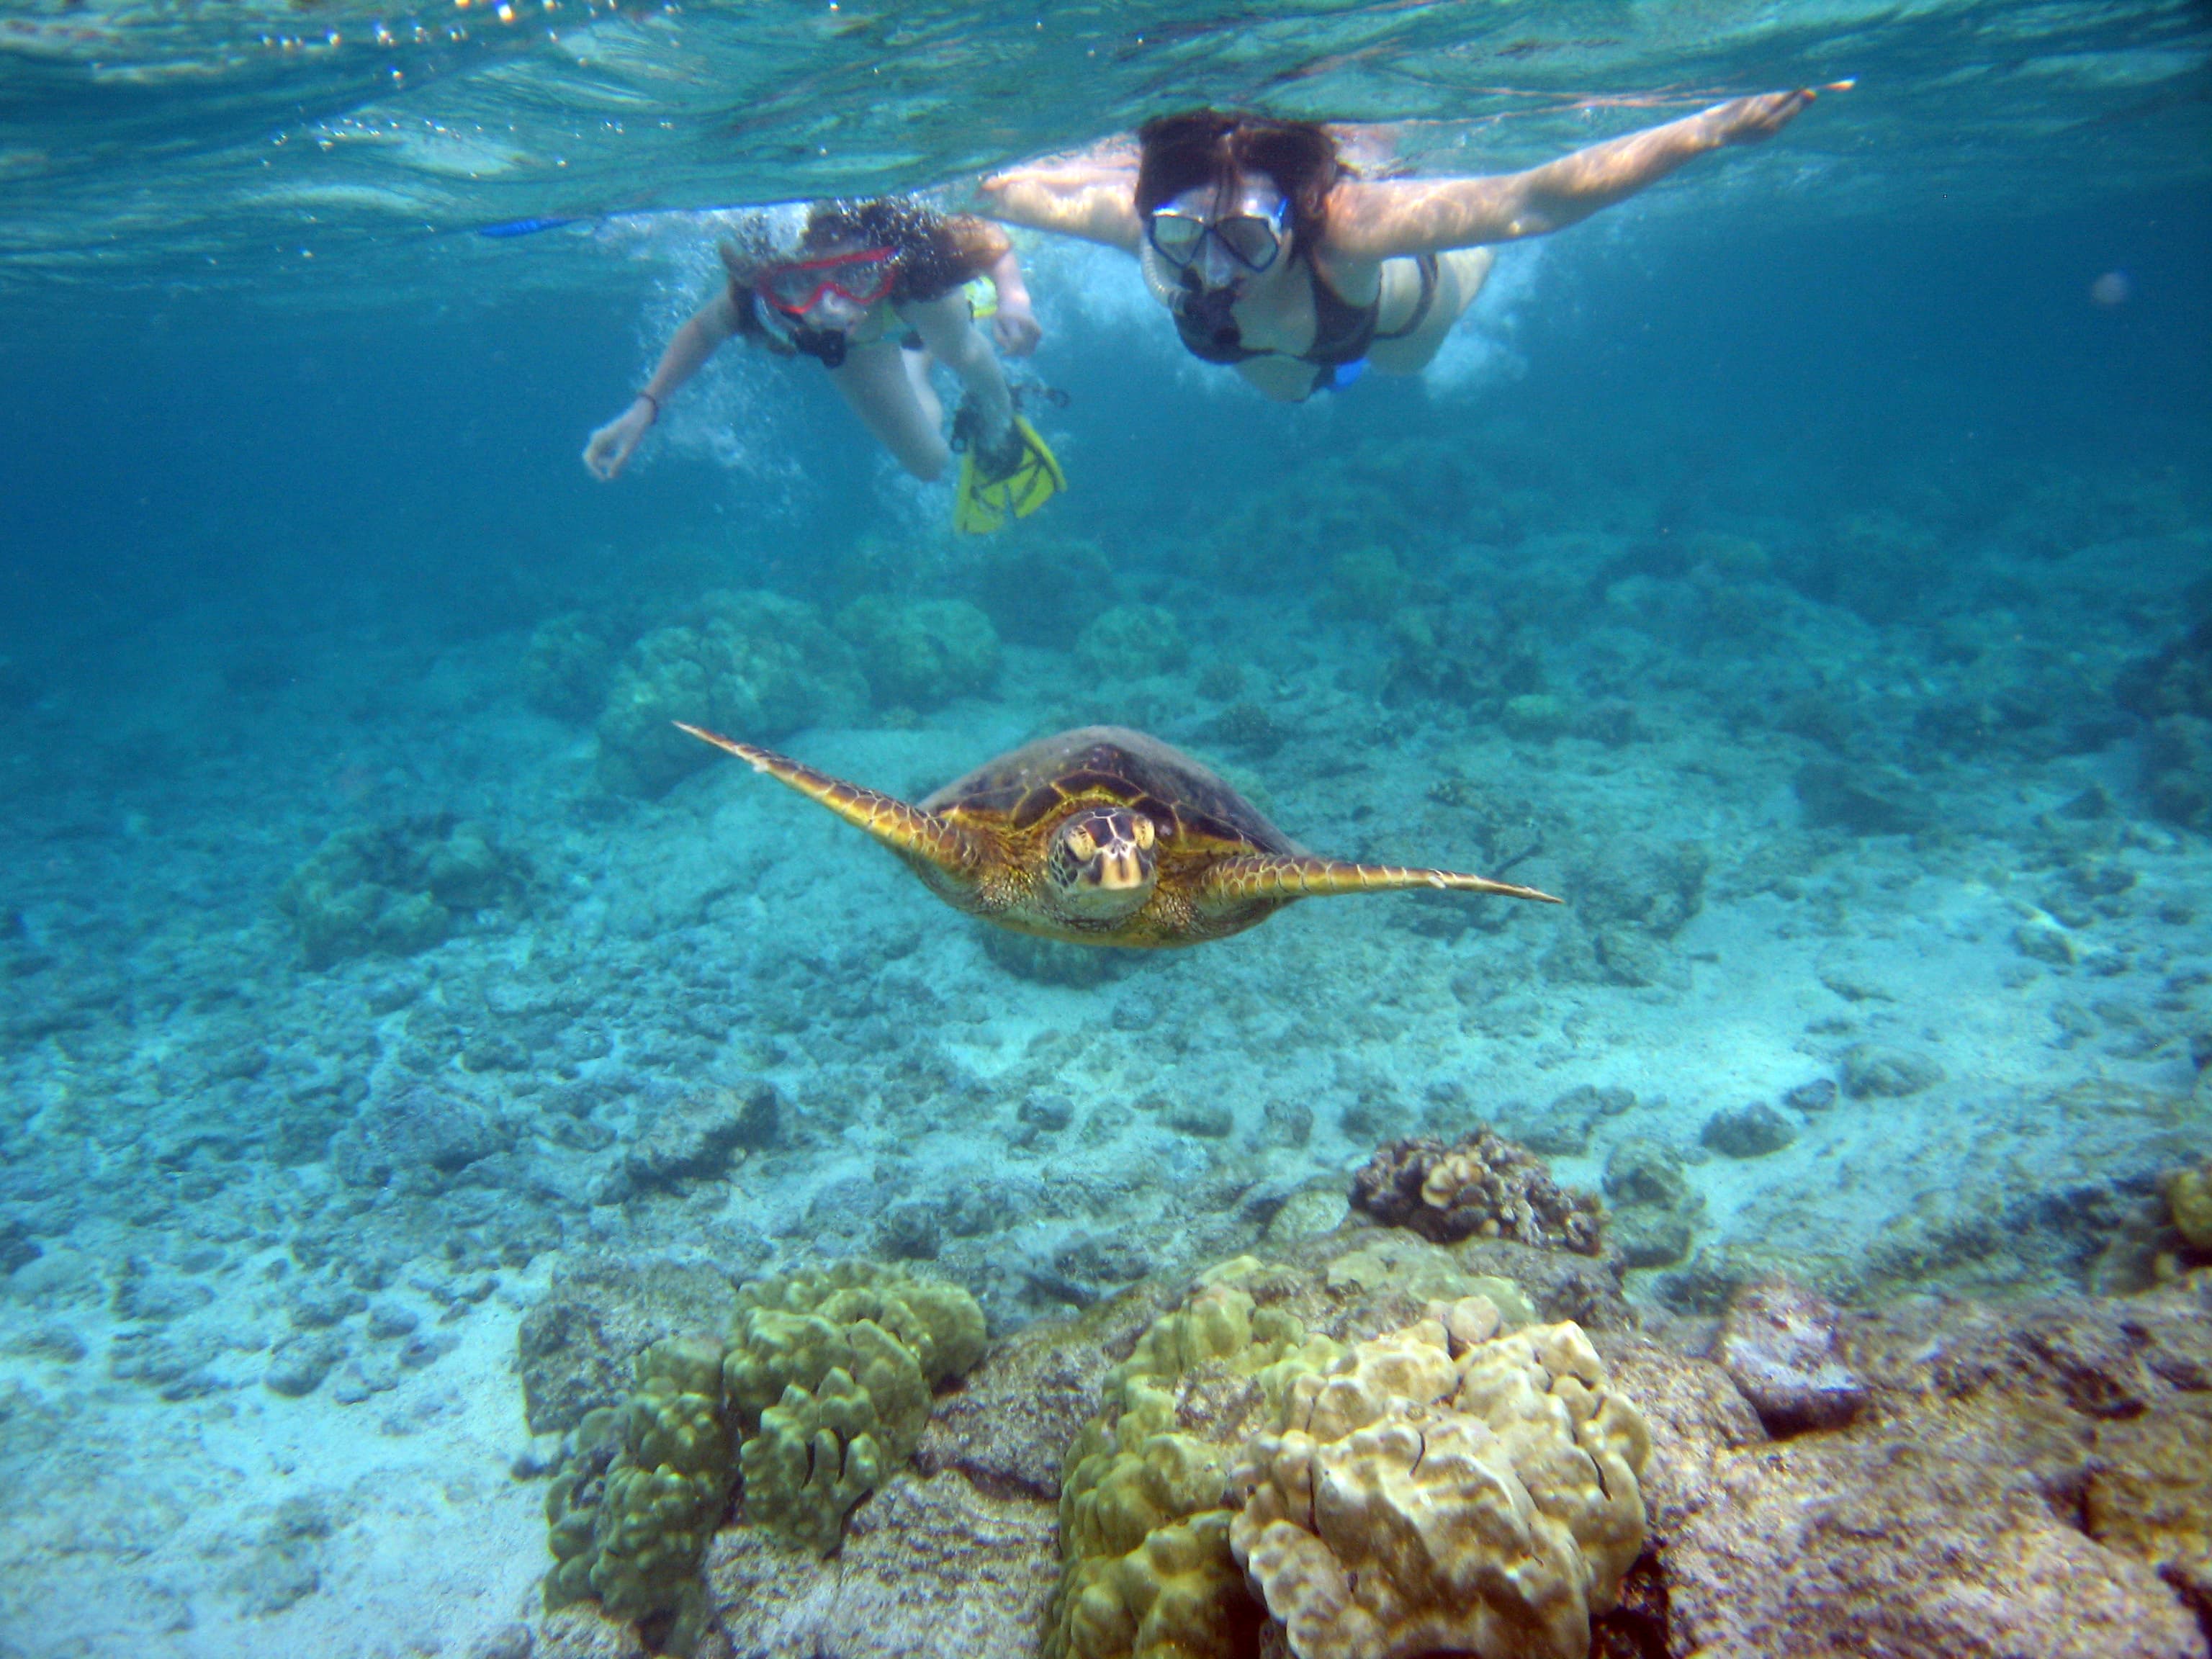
1089	196
952	338
692	344
611	446
1393	217
1014	324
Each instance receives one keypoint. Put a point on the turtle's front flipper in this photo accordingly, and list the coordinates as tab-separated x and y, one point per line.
1263	876
904	829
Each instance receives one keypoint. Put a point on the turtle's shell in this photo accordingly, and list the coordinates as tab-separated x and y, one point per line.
1019	797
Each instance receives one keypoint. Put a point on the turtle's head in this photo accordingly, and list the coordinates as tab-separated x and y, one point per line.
1100	865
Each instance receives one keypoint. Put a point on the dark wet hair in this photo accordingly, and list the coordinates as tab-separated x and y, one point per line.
1224	148
936	251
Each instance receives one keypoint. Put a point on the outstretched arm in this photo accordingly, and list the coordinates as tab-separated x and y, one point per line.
1391	217
612	445
1093	195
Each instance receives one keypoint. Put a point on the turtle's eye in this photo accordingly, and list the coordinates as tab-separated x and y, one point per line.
1145	832
1081	842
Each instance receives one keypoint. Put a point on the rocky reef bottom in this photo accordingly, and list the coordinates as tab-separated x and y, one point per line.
1366	1443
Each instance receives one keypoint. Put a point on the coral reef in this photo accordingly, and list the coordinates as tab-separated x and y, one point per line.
1871	1070
397	888
1536	717
1860	798
576	1348
828	1378
1367	582
1144	1516
642	1491
1479	1185
1146	1507
1304	1459
1129	641
1464	654
1248	727
1039	588
1631	897
571	662
2176	679
1441	1488
823	1389
2173	690
2178	770
1056	962
755	664
922	654
931	1568
695	1137
416	1138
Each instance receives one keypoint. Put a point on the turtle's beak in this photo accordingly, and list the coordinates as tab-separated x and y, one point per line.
1103	864
1117	869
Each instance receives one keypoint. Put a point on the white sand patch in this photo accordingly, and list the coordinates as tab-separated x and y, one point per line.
248	1526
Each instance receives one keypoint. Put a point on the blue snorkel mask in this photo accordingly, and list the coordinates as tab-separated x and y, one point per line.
1251	241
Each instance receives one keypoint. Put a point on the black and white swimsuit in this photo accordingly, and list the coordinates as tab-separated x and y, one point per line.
1343	332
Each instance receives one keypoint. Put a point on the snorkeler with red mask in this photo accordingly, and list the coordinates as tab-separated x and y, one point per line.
874	292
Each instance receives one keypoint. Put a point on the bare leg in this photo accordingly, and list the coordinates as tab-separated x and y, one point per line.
919	362
1461	273
895	404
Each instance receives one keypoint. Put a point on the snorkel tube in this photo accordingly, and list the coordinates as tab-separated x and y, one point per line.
1210	311
826	346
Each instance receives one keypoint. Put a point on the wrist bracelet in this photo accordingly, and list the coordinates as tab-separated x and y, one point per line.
647	398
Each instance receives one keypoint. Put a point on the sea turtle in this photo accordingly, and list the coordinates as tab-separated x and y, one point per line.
1102	835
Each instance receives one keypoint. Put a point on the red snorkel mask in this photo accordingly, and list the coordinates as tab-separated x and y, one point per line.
863	277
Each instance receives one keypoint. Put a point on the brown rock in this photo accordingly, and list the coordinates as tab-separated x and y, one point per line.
1696	1416
930	1569
2018	1482
575	1346
1779	1344
1908	1542
1012	1421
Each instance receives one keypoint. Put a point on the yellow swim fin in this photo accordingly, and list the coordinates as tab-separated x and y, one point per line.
992	488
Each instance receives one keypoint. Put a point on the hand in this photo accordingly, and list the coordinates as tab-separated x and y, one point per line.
1754	120
612	445
1014	326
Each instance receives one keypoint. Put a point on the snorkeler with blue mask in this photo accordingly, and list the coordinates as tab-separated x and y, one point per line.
875	292
1272	254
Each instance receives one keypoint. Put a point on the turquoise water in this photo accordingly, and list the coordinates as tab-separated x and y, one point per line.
1805	569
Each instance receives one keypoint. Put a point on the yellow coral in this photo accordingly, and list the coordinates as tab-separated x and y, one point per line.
828	1378
633	1538
1144	1516
2189	1198
1417	1500
826	1382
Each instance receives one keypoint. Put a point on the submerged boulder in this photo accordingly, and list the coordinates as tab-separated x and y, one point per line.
755	665
398	888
